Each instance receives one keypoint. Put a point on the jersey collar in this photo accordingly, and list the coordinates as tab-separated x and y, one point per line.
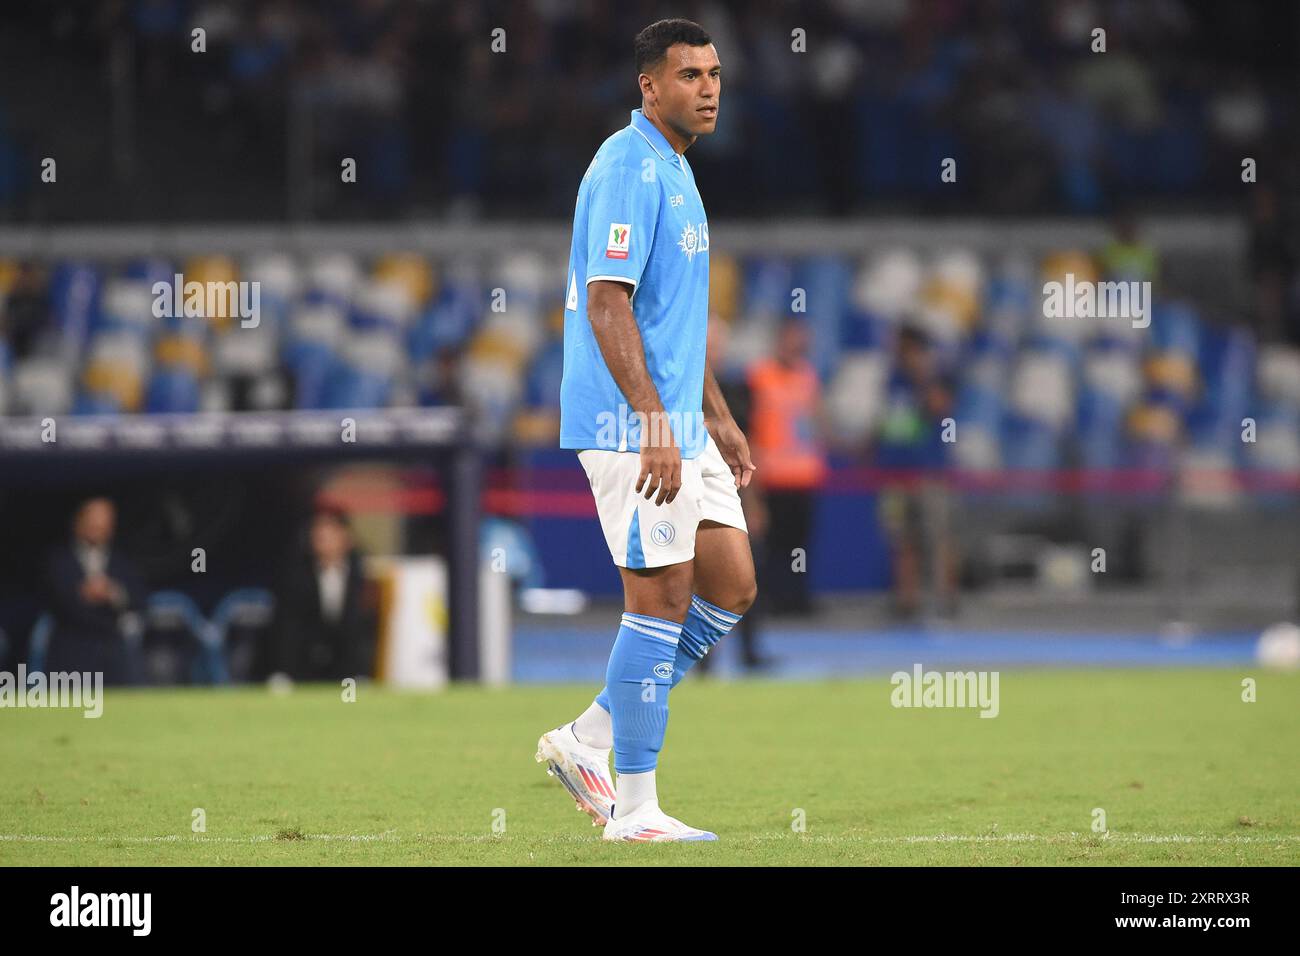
652	136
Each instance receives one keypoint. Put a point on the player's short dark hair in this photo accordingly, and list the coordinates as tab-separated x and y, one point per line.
652	43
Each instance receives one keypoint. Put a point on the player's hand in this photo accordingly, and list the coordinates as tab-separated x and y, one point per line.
661	470
734	447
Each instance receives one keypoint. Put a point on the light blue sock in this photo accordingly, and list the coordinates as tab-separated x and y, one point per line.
637	682
706	624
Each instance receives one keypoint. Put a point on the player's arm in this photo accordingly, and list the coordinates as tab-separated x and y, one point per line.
609	309
726	433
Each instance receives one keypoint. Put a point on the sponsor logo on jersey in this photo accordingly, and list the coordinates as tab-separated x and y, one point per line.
620	239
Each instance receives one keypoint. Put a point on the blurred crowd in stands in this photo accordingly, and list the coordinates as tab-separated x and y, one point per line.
340	331
849	105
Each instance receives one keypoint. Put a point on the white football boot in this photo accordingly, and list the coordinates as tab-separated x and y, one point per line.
583	770
648	824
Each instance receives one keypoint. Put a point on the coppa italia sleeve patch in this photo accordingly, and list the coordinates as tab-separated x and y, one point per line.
620	238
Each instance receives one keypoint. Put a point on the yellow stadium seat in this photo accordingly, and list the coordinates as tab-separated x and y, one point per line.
411	271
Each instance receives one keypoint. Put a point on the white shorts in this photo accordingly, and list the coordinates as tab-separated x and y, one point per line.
642	534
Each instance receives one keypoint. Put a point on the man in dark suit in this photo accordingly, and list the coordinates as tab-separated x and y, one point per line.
94	591
325	628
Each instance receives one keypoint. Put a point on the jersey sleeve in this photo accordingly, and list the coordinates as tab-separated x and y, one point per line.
622	211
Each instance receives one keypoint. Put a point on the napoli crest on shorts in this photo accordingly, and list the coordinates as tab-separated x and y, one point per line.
664	670
662	534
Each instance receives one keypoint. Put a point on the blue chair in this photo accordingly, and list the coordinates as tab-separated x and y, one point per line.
312	363
172	390
74	300
236	624
353	388
96	403
38	644
151	269
1101	429
178	645
524	564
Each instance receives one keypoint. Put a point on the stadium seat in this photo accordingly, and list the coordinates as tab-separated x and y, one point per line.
1029	442
381	305
1278	374
150	270
890	285
334	276
1277	439
312	365
178	646
979	413
1042	388
172	390
855	397
1100	429
38	643
768	281
238	626
96	403
525	566
74	301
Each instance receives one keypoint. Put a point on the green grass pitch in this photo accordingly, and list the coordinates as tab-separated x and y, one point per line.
1185	771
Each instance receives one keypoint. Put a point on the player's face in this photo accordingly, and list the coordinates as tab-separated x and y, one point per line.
687	86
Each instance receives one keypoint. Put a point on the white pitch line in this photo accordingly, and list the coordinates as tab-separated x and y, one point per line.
197	838
390	837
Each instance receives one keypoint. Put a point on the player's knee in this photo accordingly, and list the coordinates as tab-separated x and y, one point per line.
747	596
741	596
670	600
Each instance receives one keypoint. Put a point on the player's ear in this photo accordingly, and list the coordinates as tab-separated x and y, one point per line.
647	85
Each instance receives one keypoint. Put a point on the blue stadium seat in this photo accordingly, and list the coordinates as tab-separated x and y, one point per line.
172	390
348	387
542	385
239	622
178	645
1175	327
826	281
1029	445
74	300
38	643
767	284
1100	429
93	403
311	363
151	269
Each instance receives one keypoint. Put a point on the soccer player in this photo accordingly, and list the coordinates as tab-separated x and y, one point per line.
664	456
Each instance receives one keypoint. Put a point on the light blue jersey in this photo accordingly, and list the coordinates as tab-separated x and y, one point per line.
639	220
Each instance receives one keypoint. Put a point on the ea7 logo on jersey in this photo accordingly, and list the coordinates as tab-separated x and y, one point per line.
620	238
